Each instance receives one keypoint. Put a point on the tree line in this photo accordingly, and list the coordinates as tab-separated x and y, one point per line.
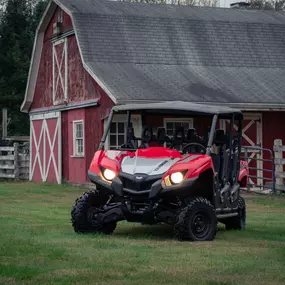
18	23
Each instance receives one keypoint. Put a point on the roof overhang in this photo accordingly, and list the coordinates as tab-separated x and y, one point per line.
254	107
180	108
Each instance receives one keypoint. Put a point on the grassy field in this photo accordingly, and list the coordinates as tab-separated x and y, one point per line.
38	246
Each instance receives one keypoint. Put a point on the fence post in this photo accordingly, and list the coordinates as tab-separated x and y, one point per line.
278	153
16	160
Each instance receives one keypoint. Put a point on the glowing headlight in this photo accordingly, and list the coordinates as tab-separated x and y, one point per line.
109	174
176	177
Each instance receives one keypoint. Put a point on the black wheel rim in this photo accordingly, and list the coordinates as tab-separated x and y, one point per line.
200	224
91	217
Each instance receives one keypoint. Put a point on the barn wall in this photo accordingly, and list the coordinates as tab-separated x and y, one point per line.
94	126
81	86
273	128
73	168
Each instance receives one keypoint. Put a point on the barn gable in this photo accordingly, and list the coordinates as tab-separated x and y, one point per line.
161	52
58	77
144	52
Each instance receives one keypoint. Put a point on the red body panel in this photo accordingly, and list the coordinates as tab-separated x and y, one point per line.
192	166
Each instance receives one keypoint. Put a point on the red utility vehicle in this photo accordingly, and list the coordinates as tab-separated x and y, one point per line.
187	181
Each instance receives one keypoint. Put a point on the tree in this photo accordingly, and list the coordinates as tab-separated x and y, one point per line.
267	5
17	29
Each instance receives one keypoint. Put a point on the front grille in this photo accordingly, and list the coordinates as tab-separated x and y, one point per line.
137	185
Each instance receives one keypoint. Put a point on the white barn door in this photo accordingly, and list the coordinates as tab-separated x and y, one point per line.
251	136
45	153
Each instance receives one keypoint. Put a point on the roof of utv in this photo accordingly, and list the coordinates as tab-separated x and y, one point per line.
179	107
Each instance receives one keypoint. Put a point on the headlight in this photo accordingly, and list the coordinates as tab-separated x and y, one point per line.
109	174
176	177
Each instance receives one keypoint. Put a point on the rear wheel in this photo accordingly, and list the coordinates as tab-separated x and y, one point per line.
197	221
238	222
83	214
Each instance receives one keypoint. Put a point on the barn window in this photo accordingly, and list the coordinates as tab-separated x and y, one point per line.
171	124
117	134
78	138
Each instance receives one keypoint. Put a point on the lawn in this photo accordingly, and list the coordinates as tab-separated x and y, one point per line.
38	246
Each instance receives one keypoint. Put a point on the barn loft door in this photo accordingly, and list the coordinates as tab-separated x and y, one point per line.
45	154
251	136
60	74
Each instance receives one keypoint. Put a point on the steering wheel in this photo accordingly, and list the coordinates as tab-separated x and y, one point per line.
195	148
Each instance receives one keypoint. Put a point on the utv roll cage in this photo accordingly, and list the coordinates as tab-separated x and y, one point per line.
180	108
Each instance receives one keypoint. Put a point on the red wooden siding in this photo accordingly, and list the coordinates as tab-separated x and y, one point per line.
273	128
94	126
81	86
75	169
66	24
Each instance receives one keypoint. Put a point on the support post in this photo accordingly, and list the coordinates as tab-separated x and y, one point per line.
16	161
4	123
278	153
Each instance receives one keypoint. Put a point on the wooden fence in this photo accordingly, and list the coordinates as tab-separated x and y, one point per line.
14	161
279	150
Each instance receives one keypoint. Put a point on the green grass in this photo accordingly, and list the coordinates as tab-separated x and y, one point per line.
38	246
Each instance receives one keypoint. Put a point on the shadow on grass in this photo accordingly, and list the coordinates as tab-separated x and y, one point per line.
138	231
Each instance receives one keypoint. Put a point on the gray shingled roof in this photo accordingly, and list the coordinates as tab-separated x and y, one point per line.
164	52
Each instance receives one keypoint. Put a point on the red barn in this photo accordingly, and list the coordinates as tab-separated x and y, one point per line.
89	55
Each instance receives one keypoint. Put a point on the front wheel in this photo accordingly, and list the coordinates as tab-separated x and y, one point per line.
197	221
83	214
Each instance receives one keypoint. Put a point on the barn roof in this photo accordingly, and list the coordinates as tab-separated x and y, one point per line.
157	52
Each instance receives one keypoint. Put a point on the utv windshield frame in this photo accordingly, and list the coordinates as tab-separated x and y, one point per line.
178	108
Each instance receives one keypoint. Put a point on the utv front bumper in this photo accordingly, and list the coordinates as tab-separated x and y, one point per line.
154	188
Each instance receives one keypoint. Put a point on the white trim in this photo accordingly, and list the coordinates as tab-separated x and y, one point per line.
59	149
42	116
121	118
66	71
89	103
190	121
74	123
44	166
31	150
56	65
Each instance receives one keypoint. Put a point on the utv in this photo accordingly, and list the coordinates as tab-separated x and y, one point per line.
177	177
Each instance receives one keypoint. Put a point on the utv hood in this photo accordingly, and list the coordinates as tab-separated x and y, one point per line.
149	166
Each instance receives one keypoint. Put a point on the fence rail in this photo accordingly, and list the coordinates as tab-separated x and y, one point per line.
14	162
256	174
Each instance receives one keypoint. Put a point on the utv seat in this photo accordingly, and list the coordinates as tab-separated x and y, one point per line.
161	136
178	138
146	137
193	137
221	140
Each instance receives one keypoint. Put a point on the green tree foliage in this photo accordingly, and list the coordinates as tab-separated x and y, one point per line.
267	5
17	29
